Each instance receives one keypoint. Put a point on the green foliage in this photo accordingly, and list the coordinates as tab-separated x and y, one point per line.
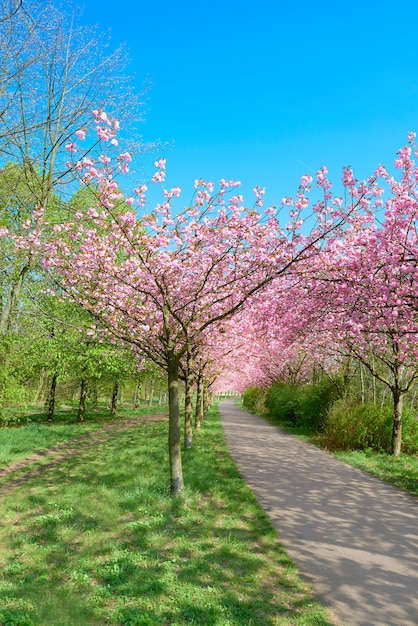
356	426
409	432
314	402
305	405
253	399
282	402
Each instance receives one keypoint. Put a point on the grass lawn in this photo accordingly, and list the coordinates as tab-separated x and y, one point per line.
19	441
98	540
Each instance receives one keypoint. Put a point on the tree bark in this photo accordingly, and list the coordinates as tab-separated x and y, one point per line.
137	394
397	422
199	403
82	403
176	471
114	401
206	401
151	393
188	411
51	398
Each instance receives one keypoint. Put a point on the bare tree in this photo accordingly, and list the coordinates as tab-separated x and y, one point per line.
9	8
53	72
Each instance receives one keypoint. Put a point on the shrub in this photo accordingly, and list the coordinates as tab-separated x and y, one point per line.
253	399
361	426
305	405
409	432
282	402
315	401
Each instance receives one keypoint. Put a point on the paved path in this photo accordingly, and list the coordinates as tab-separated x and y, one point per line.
352	536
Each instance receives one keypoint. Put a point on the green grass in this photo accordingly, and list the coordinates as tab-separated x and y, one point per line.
23	439
97	540
401	471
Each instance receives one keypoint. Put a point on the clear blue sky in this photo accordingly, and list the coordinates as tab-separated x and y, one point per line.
265	91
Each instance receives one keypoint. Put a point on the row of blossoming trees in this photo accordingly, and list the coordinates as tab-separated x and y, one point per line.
218	290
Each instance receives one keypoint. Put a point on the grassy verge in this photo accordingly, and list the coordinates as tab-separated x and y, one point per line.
401	471
19	441
98	540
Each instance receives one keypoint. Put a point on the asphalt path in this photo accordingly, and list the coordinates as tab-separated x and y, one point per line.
353	537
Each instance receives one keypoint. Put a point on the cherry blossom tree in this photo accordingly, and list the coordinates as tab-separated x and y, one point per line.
159	282
358	297
372	278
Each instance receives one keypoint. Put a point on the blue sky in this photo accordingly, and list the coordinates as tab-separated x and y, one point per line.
265	91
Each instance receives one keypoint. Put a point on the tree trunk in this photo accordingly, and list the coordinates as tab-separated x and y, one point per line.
14	296
151	393
188	411
114	400
206	401
41	387
82	403
51	398
137	394
199	403
397	422
176	472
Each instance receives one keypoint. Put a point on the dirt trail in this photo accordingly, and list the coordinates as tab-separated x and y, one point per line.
58	454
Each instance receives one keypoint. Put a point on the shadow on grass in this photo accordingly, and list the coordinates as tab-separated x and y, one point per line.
100	536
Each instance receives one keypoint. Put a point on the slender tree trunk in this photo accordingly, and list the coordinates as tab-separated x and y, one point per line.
151	392
374	384
41	388
176	472
114	400
397	422
206	401
188	411
199	403
137	394
51	398
14	296
362	384
82	403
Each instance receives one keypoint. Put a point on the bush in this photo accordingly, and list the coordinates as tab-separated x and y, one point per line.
357	427
282	402
253	399
304	406
409	432
361	426
315	401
